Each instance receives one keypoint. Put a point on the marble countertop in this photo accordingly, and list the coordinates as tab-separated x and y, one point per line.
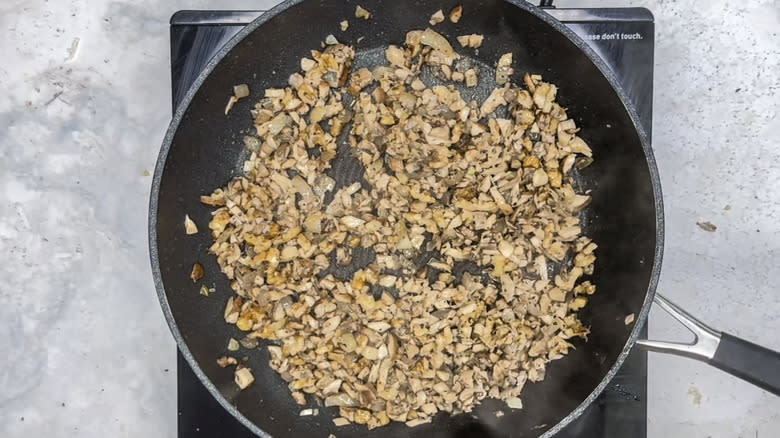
86	351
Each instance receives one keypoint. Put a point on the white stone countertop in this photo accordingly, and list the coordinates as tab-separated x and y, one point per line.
84	348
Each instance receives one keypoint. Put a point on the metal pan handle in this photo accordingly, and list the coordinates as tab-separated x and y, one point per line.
753	363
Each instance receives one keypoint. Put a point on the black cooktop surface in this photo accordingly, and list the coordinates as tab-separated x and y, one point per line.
624	37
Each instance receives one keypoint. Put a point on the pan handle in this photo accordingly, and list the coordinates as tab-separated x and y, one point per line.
746	360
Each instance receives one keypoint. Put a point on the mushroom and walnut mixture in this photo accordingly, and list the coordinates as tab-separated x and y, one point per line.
467	210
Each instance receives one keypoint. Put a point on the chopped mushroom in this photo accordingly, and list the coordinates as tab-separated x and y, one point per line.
226	361
196	273
417	422
436	18
504	69
340	421
456	13
362	13
241	91
331	40
474	40
436	41
307	64
243	377
514	403
454	180
231	101
471	78
344	25
189	225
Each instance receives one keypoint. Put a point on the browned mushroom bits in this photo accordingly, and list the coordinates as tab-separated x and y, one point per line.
466	207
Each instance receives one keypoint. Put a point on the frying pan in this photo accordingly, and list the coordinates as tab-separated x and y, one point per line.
203	150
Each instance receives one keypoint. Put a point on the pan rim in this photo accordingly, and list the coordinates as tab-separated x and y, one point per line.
527	7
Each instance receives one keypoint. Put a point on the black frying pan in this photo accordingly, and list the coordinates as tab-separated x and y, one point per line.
203	150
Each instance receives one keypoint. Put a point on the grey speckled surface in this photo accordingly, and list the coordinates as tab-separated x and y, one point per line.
85	348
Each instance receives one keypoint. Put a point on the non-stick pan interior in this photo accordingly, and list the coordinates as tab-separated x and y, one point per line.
206	152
